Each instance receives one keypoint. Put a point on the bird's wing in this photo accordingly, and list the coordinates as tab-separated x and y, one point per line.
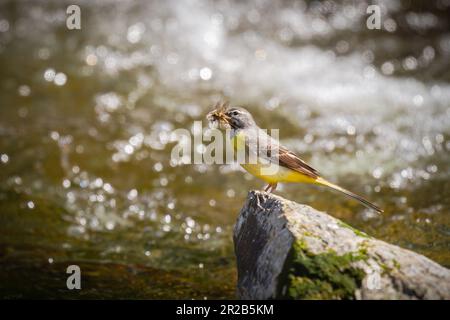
290	160
286	158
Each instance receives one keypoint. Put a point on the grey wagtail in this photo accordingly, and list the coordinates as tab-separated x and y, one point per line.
245	133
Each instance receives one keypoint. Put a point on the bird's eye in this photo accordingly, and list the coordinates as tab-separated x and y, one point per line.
234	113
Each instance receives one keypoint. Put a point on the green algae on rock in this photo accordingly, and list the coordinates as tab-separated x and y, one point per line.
321	276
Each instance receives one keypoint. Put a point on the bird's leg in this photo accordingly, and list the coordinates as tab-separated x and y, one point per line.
273	186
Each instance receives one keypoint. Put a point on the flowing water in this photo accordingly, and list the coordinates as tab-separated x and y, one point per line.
86	118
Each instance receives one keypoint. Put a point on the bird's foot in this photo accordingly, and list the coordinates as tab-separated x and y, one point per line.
258	203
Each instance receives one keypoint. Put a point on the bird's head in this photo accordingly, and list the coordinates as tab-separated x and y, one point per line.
230	117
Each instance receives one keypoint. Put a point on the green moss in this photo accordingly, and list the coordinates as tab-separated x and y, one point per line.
307	233
363	248
386	269
321	276
396	264
355	231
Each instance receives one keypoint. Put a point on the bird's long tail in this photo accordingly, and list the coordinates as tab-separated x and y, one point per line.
349	193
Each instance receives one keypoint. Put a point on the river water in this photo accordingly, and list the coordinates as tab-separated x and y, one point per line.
86	118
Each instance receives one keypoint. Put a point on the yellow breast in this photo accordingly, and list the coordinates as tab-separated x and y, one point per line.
268	172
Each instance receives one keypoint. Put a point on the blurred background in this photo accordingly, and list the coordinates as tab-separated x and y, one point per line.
86	119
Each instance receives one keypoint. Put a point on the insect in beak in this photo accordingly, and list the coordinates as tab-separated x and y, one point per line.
218	117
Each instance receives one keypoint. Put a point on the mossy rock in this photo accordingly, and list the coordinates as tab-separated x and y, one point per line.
286	250
321	276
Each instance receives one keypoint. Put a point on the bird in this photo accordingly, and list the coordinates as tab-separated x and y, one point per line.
246	135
